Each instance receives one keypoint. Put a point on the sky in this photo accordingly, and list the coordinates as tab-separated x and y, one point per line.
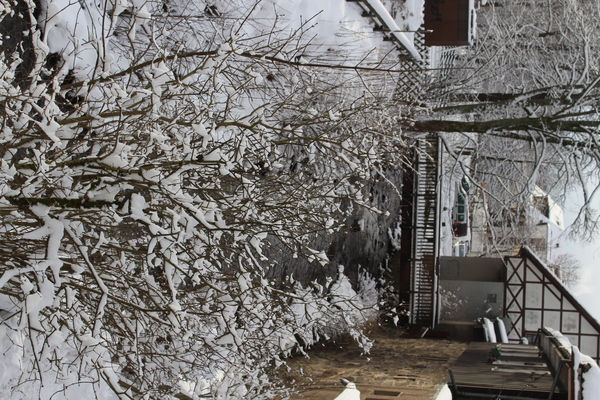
588	254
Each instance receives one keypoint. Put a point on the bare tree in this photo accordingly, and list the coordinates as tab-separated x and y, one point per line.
145	161
567	268
529	104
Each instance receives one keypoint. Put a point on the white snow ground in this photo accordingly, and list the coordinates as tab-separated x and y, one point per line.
74	29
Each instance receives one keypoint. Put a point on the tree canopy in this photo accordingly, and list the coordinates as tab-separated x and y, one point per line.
531	78
150	152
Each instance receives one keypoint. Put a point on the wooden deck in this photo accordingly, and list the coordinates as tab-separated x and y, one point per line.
396	368
520	371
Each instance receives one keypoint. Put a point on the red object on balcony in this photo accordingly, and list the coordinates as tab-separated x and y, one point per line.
451	22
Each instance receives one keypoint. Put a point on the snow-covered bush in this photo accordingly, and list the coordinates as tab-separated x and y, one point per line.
326	312
148	149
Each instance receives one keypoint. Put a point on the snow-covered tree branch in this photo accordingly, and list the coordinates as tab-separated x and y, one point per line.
148	150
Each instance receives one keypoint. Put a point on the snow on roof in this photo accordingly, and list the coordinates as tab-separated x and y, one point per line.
394	29
333	20
555	212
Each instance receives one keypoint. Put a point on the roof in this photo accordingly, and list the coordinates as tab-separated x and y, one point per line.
535	298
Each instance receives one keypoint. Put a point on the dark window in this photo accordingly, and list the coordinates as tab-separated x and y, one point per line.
460	229
465	184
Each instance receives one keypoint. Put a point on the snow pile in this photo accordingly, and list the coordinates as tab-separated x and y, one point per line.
588	382
489	330
586	371
350	392
502	330
316	311
562	339
370	293
445	393
340	25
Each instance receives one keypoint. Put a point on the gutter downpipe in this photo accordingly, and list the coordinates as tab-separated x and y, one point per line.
456	392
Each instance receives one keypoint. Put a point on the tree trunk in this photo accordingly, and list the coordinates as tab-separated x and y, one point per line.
544	124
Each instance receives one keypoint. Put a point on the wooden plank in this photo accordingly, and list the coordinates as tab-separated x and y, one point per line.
521	371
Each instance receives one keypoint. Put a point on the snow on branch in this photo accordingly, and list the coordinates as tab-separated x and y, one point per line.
149	161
